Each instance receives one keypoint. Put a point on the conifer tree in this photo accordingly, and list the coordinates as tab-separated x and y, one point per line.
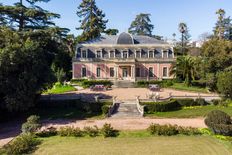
27	16
91	19
141	25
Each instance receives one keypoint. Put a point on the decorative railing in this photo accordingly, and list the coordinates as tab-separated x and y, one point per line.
139	107
113	107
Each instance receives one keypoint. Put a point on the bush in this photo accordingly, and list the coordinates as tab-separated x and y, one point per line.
224	84
170	130
105	109
32	124
108	131
163	83
186	102
91	131
23	144
201	102
216	102
219	122
70	132
151	107
48	132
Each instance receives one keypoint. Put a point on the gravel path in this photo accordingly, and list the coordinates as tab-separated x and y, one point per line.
129	123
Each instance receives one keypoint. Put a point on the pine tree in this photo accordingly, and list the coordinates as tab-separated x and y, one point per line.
185	37
92	20
141	25
29	16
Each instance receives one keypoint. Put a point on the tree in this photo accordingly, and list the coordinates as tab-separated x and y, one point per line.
185	38
32	124
28	16
223	28
224	84
141	25
92	20
111	31
185	68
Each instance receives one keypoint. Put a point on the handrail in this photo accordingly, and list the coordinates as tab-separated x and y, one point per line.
112	107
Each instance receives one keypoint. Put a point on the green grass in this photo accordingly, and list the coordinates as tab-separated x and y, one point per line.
133	143
182	86
191	112
65	113
60	89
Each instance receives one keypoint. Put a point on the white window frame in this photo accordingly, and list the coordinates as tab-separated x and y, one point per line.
86	53
82	72
163	72
99	72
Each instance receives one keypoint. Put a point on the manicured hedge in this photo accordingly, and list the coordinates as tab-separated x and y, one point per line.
163	83
87	83
171	105
219	122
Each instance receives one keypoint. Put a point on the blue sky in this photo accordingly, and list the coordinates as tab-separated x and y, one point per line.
165	14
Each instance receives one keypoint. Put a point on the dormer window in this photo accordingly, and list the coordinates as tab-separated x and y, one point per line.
125	54
99	53
84	54
151	54
112	54
138	54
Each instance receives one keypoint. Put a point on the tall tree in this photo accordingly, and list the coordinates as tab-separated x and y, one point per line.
185	38
223	27
92	20
27	16
141	25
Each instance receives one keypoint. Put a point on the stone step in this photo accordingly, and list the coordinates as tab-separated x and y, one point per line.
128	110
123	84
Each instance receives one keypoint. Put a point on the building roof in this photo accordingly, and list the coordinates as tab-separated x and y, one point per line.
124	38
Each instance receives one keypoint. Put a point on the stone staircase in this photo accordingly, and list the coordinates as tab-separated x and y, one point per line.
126	109
123	84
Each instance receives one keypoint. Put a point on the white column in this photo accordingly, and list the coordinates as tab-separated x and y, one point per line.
162	53
122	54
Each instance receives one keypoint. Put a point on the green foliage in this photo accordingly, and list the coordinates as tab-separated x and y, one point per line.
58	88
88	83
161	106
141	25
163	83
111	31
185	68
29	16
224	84
91	131
70	132
201	102
105	110
47	133
219	122
92	20
32	124
108	131
186	102
170	130
23	144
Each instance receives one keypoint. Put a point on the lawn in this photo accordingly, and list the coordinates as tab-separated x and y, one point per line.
60	89
191	112
181	86
133	145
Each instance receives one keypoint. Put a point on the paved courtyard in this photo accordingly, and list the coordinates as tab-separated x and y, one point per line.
132	93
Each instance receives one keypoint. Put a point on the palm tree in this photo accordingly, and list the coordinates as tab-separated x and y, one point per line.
185	68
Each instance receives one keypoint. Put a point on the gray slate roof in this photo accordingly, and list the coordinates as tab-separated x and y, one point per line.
111	39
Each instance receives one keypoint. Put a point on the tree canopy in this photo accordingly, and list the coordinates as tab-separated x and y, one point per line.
91	19
141	25
22	17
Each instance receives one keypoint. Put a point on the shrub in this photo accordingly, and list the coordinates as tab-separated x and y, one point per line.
48	132
152	107
163	83
216	102
108	131
91	131
164	130
31	125
219	122
105	110
186	102
224	84
23	144
201	102
170	130
70	132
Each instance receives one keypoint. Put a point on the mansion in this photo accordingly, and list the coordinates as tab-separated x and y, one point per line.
123	57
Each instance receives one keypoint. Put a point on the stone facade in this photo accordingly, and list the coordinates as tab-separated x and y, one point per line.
123	57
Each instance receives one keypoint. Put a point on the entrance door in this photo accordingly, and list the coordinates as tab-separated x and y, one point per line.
125	73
